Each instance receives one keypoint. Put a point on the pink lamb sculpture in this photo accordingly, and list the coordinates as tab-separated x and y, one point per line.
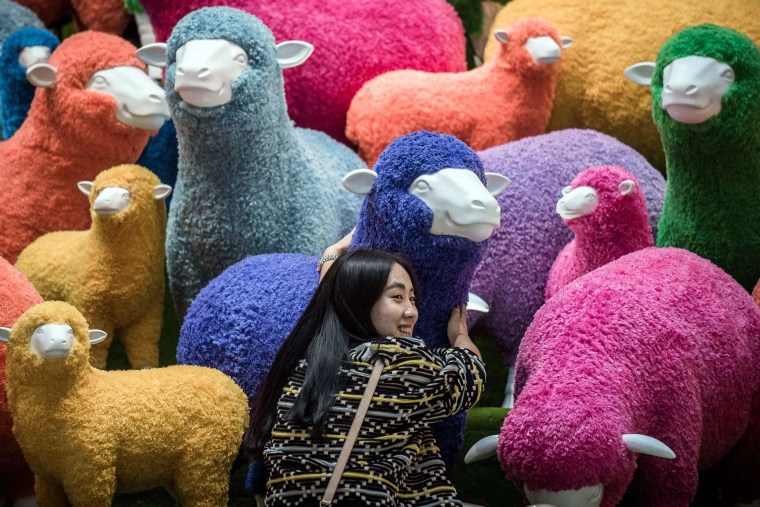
642	372
508	98
606	209
16	479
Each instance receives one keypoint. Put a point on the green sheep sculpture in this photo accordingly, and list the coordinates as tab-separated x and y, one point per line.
706	104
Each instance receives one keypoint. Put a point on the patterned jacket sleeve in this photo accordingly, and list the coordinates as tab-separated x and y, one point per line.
442	382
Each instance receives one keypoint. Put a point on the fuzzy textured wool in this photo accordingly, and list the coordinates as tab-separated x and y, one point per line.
506	99
660	342
347	36
88	433
113	272
239	321
249	182
161	155
610	35
713	168
16	297
107	16
618	225
16	92
515	268
14	17
70	135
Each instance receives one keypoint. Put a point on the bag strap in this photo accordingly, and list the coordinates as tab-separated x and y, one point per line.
356	425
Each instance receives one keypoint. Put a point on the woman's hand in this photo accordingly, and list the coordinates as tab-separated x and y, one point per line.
332	252
457	330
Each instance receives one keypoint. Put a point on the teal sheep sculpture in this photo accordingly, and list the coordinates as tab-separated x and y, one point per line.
249	182
706	104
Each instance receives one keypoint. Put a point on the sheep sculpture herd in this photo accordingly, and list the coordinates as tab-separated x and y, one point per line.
619	305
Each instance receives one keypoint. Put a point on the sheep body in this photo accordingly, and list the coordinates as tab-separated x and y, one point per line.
425	35
610	35
248	182
113	272
506	99
107	16
238	322
70	135
88	433
659	342
617	226
514	271
16	93
17	296
14	17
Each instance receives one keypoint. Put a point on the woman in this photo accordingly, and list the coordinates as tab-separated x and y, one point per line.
363	310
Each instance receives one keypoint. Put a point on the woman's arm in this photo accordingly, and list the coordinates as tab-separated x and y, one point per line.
457	331
332	252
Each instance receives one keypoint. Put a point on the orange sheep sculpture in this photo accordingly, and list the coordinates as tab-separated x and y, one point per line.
108	16
506	99
95	107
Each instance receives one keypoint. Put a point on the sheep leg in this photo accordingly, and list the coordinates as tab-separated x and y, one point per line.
185	275
141	337
49	492
204	486
88	486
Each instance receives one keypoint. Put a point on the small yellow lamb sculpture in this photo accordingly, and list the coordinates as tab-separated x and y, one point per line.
113	272
88	433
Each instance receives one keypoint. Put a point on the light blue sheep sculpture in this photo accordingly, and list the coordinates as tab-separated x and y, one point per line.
249	182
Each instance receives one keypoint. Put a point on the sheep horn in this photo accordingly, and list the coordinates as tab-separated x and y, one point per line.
482	449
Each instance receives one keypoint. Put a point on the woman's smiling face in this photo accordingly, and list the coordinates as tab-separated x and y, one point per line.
395	313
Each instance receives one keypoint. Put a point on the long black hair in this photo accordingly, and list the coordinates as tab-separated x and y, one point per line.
336	318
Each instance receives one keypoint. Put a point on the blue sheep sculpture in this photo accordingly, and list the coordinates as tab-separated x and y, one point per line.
249	182
161	156
16	92
238	322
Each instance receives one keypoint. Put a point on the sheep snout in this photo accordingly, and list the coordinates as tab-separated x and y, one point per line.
111	200
588	496
52	341
693	88
461	205
543	49
206	70
140	102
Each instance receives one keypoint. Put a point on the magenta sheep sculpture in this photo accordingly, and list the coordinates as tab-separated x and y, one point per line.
354	41
642	373
508	98
606	209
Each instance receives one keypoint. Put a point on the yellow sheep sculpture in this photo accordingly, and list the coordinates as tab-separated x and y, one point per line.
113	272
88	433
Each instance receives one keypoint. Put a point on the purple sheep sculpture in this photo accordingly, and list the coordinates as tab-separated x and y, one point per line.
515	268
642	373
607	211
238	322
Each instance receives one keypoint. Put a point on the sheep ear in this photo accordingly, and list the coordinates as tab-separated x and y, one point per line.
496	183
643	444
85	187
566	190
292	53
627	187
161	192
482	449
153	54
566	41
641	73
501	35
476	303
41	75
360	181
5	334
97	336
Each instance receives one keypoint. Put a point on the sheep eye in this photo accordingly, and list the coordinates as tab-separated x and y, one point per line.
241	59
728	74
99	81
126	194
39	331
590	197
423	186
70	331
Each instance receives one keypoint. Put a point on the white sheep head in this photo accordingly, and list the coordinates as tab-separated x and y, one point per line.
461	205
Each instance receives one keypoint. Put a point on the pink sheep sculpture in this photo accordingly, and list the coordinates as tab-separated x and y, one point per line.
16	297
95	107
606	209
506	99
354	41
642	372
